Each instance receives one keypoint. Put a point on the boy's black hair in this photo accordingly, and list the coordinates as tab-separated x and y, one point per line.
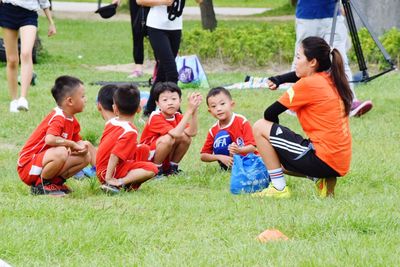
216	91
155	92
105	96
64	86
127	99
162	87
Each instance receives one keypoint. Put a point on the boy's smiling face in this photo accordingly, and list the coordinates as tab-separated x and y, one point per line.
169	103
220	106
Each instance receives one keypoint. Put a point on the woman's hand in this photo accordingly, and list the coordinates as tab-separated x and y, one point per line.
271	85
52	30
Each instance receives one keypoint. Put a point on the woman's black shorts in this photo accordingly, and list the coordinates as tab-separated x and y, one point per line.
15	17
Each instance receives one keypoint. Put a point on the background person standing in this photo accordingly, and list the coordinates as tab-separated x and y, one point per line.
19	18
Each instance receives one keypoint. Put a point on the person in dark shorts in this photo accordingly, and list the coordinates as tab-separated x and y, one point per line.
19	18
322	101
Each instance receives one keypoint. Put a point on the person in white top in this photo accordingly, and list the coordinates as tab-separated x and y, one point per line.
19	18
164	27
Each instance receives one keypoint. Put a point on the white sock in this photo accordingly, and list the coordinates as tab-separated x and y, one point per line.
277	178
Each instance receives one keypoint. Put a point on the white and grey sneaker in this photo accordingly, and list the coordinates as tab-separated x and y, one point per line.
14	106
23	104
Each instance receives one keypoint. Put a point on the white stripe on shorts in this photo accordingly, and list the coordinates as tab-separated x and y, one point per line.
287	145
35	170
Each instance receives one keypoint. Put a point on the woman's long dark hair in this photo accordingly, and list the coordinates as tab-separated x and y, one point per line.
327	58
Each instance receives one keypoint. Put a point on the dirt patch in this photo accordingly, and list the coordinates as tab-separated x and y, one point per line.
126	17
210	66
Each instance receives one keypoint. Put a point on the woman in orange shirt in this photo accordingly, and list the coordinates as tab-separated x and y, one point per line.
322	99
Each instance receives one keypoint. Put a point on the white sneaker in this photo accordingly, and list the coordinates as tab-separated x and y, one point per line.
14	106
22	104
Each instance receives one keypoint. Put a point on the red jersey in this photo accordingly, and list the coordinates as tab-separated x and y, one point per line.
239	130
321	113
119	138
157	125
55	123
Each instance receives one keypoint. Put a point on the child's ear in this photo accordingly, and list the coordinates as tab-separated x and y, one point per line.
99	107
69	101
139	109
208	109
115	109
233	103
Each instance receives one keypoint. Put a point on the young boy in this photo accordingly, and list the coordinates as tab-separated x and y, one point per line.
167	131
116	154
55	150
105	102
230	135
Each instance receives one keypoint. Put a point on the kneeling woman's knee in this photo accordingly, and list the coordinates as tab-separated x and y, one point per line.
261	126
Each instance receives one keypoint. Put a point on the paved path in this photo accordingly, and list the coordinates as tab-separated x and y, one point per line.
188	11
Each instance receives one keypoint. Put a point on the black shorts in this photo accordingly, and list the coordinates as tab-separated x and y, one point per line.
297	154
14	17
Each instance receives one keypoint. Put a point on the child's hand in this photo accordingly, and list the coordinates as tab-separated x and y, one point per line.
271	85
194	101
234	149
226	160
79	149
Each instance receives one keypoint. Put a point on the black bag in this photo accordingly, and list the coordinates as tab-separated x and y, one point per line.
141	18
3	57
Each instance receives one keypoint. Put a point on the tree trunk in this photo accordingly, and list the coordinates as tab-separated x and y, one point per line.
208	19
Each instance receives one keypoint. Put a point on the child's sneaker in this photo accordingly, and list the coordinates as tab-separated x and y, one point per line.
174	170
109	189
271	191
79	175
89	171
47	189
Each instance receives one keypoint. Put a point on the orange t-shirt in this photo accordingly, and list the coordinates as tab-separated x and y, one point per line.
320	111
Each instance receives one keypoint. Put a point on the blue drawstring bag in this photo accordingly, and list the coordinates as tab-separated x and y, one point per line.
249	174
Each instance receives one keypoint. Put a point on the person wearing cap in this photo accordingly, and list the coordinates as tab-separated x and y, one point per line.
19	18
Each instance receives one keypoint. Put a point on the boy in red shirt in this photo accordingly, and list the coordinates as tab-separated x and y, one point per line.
55	150
230	135
167	131
117	158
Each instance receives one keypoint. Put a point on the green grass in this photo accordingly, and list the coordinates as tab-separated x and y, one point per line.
192	219
219	3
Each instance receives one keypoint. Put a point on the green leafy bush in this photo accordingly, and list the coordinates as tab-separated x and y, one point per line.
260	44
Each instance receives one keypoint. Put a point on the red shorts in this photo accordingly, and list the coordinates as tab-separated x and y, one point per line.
127	166
30	173
142	153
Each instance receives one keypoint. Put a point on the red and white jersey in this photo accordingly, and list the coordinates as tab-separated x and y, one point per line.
119	138
157	125
55	123
239	130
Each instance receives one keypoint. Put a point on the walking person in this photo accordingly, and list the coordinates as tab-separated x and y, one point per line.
19	18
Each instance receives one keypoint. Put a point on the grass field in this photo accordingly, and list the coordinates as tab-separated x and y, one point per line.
192	219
